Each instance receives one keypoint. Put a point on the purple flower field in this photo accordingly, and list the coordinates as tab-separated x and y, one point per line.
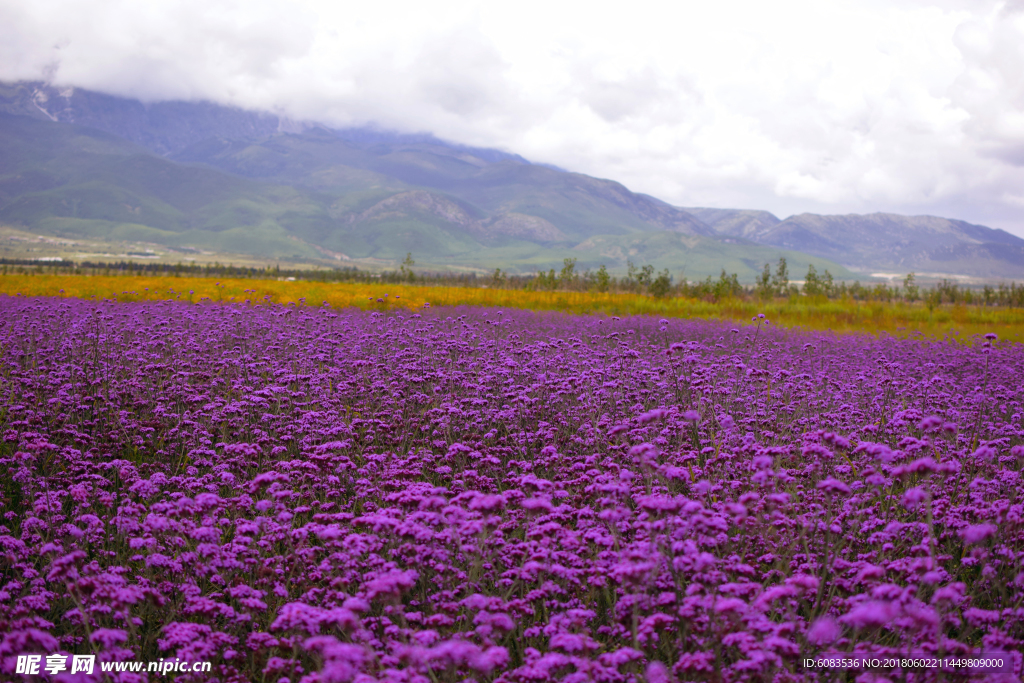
303	494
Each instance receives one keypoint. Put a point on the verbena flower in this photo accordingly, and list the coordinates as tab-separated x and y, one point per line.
333	495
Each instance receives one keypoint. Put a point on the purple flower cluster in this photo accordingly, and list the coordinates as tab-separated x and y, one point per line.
301	494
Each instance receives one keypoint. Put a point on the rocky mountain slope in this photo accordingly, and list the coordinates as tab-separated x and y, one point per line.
881	241
745	223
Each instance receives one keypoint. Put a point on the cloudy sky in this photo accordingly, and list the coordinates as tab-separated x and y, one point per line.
794	105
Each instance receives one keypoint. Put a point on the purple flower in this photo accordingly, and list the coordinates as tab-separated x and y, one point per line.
342	662
953	593
803	581
389	496
833	485
300	616
653	415
108	637
182	634
537	505
871	614
728	605
977	533
914	497
985	452
487	503
391	584
824	631
657	673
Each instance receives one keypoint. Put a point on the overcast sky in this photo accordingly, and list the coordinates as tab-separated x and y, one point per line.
791	106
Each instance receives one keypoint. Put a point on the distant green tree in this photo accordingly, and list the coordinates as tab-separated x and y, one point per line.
644	279
602	279
661	285
630	281
568	275
727	286
764	283
813	284
406	268
548	280
989	295
911	292
881	292
780	281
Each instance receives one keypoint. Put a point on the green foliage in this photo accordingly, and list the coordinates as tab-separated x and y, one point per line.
661	285
544	281
911	291
813	285
727	286
568	276
765	290
726	291
602	279
780	281
406	268
645	275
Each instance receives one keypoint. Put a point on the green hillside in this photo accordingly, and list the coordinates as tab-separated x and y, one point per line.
579	205
318	198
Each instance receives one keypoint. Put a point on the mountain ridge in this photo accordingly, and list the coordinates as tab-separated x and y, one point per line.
367	193
880	241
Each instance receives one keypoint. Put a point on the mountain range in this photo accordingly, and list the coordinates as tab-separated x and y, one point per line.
77	163
880	241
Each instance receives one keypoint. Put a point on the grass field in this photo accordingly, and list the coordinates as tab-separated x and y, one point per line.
899	319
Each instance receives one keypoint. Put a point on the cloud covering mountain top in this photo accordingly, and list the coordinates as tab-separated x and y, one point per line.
794	106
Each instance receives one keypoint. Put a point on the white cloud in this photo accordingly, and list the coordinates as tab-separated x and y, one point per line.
797	105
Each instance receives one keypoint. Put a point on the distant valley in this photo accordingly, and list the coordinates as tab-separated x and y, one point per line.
75	163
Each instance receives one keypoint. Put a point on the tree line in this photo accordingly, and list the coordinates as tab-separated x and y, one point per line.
773	282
